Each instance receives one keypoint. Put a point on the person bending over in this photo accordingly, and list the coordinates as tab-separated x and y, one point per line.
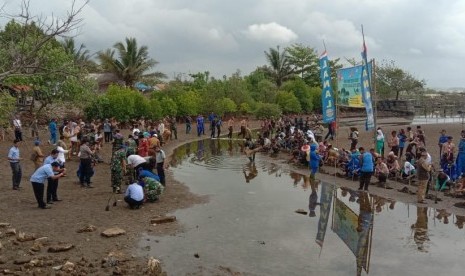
134	196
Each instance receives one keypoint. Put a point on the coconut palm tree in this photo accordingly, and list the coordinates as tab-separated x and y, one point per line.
131	64
279	67
81	55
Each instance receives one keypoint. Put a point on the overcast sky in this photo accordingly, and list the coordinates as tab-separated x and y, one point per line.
425	38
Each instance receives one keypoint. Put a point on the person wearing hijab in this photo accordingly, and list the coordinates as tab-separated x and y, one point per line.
380	142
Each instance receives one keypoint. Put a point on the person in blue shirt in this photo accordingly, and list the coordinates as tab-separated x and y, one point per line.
146	173
200	125
366	168
52	127
38	178
460	161
52	157
314	160
52	184
211	117
14	158
442	139
134	195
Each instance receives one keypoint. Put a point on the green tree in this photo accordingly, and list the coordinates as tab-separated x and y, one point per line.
304	61
168	107
315	93
279	67
188	103
54	74
225	105
99	108
235	87
132	63
392	80
267	110
81	56
27	38
288	102
301	91
7	108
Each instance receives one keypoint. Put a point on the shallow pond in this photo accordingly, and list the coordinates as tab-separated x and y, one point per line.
250	224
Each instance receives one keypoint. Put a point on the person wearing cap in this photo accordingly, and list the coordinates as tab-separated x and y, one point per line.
37	156
14	159
423	175
38	178
118	168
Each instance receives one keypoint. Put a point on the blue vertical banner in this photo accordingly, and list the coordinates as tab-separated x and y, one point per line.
366	90
327	96
326	198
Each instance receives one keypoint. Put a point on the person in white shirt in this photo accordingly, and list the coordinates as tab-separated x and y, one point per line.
18	128
136	162
134	196
160	160
62	150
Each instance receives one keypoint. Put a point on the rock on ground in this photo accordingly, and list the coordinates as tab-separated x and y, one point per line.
113	232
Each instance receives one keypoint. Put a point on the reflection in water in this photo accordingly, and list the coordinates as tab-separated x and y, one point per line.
263	210
252	172
420	228
313	198
355	230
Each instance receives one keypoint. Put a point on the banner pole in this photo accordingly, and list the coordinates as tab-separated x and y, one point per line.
374	98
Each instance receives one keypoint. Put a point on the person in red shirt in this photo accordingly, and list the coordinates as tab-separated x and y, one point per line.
143	149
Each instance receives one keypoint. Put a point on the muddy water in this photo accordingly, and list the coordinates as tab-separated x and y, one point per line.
250	224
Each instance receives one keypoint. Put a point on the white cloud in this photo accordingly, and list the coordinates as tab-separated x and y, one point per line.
223	36
415	51
270	32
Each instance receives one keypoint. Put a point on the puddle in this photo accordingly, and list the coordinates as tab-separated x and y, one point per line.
250	225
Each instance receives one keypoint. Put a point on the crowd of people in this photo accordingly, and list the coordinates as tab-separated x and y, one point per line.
135	159
139	157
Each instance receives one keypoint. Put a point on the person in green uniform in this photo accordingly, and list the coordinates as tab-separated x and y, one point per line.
132	145
152	188
118	168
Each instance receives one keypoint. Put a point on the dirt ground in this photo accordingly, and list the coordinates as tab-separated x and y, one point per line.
22	254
